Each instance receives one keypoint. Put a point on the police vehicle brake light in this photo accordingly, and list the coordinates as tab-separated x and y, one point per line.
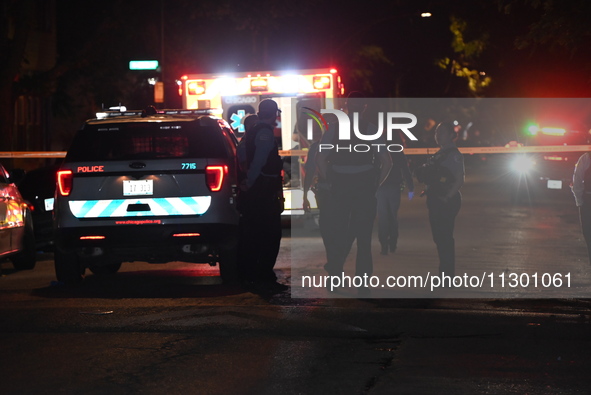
214	176
64	182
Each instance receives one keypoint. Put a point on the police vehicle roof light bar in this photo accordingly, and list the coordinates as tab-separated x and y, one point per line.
114	114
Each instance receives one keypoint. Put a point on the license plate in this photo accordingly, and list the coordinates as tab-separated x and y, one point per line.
48	204
554	184
138	187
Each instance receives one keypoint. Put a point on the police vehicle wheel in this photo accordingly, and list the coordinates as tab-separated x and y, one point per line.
26	259
68	268
103	270
228	261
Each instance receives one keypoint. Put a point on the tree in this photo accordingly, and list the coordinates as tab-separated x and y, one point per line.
557	24
462	63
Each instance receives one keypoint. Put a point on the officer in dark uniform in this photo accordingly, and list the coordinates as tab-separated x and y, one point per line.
352	179
261	203
582	191
443	175
388	196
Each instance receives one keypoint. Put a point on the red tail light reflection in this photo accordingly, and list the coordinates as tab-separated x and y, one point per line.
186	234
92	237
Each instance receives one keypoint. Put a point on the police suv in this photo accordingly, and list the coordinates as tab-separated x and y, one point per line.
153	186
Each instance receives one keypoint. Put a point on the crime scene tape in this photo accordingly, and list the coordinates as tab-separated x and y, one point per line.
407	151
477	150
32	154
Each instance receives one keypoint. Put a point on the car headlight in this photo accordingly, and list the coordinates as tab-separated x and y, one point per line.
522	164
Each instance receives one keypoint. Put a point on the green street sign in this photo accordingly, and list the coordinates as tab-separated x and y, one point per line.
143	65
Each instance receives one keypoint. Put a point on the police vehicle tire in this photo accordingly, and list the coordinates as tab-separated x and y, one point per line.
103	270
68	269
228	261
26	259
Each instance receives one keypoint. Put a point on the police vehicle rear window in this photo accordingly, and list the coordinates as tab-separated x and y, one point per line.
146	141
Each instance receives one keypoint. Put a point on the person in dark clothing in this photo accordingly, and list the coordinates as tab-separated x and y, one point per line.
581	189
443	175
350	208
388	197
261	203
249	122
311	176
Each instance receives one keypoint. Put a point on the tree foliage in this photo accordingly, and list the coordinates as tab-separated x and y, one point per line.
553	23
463	63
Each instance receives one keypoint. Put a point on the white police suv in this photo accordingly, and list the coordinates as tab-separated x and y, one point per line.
153	186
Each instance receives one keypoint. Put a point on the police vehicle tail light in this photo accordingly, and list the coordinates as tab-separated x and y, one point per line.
321	82
259	85
196	87
64	182
214	176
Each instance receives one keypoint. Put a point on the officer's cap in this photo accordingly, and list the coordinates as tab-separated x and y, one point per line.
268	108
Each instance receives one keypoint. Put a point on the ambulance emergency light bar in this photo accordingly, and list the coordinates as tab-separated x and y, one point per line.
114	114
284	82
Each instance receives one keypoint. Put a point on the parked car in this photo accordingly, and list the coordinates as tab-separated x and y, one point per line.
548	172
17	238
147	186
38	189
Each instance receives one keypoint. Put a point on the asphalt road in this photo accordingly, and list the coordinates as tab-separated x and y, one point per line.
175	328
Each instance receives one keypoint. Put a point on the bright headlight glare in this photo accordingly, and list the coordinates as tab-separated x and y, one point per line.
522	164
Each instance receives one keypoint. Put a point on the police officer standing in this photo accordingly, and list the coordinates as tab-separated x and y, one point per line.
443	175
352	178
582	191
388	196
261	203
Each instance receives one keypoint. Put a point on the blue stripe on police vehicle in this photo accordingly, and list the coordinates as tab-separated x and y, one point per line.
191	205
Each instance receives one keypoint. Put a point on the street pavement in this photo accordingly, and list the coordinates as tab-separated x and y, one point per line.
175	329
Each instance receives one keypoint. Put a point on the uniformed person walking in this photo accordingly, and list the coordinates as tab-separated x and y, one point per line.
443	175
261	203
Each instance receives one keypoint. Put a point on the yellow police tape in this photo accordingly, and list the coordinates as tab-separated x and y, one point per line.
407	151
32	154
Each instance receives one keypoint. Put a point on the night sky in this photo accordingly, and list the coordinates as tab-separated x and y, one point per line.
212	36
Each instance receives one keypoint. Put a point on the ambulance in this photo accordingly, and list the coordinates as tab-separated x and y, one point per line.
299	94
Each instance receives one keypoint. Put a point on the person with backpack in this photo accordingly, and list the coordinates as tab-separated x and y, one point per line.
443	176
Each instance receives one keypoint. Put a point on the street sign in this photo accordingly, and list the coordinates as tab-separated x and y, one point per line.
143	65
